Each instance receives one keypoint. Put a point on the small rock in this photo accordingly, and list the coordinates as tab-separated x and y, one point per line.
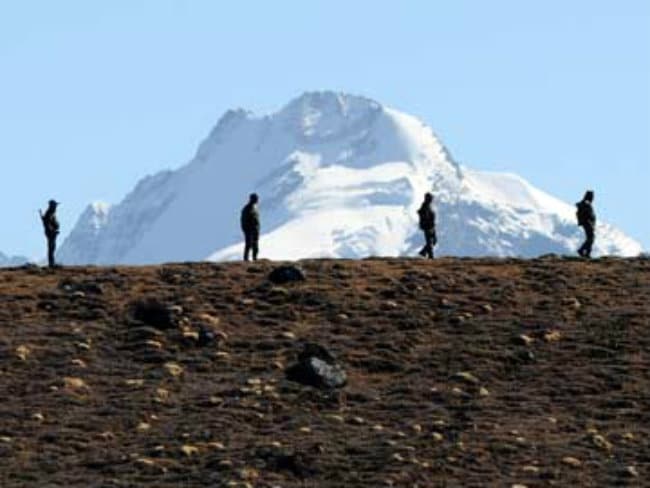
189	450
134	382
529	468
483	391
466	377
487	307
174	369
143	426
600	442
437	436
631	471
571	302
446	304
571	461
210	320
523	340
74	384
78	362
317	367
22	352
552	336
38	416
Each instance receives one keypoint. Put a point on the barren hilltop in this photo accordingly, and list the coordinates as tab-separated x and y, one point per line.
460	372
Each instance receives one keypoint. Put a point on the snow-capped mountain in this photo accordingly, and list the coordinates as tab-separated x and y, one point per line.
6	261
338	176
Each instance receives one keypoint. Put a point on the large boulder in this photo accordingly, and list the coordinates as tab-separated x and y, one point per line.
153	312
286	274
318	368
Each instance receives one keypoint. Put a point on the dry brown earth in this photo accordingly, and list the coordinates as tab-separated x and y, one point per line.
462	373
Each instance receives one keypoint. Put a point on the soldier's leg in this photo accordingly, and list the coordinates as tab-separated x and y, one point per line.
581	249
51	247
429	245
589	229
255	245
247	245
423	251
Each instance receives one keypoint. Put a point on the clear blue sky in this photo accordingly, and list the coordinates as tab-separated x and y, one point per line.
95	95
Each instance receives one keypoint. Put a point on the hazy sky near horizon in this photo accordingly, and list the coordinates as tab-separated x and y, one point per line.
96	95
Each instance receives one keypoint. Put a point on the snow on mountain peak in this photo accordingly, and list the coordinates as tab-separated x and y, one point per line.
324	116
339	175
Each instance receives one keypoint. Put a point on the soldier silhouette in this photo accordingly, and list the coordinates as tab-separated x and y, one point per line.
587	220
428	226
51	228
250	225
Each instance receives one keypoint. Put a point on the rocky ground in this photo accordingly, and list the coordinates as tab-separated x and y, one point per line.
460	372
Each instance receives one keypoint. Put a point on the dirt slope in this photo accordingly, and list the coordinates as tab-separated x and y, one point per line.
461	372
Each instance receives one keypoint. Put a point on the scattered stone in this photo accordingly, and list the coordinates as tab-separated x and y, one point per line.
317	367
437	436
38	416
571	461
529	468
74	384
486	307
189	450
446	304
286	274
571	302
210	320
174	369
600	442
483	391
552	336
78	362
84	346
631	472
466	377
143	426
523	340
161	396
22	352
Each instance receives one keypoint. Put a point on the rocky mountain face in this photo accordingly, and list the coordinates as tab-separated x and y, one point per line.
339	176
357	373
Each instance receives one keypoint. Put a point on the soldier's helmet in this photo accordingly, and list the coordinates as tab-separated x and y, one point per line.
254	198
428	197
53	203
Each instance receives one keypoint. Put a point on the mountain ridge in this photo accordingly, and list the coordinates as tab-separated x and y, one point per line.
339	176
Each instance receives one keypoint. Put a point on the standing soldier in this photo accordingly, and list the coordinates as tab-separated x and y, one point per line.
51	228
428	226
587	220
250	224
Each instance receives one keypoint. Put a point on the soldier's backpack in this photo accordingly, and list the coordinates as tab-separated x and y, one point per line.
582	212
